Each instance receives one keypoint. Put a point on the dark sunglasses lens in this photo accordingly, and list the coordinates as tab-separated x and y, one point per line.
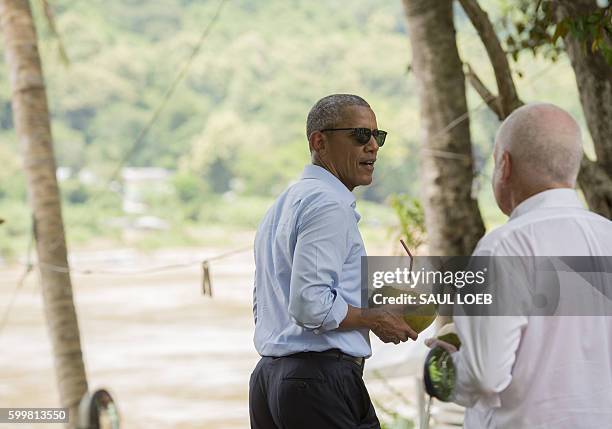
380	137
362	135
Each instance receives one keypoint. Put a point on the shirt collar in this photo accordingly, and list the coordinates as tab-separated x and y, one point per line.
315	172
562	197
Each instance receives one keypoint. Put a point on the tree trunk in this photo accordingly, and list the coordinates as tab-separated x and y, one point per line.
596	186
594	80
453	220
31	118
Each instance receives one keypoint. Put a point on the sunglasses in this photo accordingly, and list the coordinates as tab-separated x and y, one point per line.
363	135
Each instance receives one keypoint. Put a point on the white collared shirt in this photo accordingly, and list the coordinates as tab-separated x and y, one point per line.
539	372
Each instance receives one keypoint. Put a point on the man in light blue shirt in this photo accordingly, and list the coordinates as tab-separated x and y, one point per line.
310	329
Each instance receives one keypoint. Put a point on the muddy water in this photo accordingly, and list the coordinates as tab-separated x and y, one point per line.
171	357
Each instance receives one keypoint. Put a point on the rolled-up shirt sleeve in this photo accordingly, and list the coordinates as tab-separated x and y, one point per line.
489	343
322	246
484	362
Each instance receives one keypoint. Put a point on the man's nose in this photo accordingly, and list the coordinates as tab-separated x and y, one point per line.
372	145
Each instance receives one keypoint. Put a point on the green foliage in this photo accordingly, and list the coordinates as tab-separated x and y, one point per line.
189	188
84	225
167	238
238	118
14	229
234	211
192	193
594	31
398	423
12	180
233	131
75	192
411	218
533	26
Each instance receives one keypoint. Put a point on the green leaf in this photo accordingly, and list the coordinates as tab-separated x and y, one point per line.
606	51
560	31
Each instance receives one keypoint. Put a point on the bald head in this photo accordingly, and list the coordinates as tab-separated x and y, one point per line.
545	145
537	147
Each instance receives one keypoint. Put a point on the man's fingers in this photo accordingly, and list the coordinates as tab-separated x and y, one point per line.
434	342
393	328
405	336
412	333
390	337
408	331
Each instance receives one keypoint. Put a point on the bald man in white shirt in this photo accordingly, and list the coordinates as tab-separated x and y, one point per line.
532	371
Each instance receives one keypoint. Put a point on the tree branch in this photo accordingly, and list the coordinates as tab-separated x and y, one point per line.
508	98
492	100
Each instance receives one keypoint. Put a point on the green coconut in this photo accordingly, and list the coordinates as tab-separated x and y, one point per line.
448	334
419	319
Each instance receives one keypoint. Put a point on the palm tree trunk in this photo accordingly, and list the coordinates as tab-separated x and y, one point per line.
31	118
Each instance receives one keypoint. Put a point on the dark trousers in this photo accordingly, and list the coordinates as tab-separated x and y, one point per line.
309	391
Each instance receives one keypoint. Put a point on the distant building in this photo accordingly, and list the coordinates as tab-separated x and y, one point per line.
137	181
63	173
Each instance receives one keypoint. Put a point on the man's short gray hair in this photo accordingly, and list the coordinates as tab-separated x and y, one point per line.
327	112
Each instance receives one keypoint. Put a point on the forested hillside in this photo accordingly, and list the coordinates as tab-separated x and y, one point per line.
237	121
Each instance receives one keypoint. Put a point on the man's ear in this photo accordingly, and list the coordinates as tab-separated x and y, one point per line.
317	142
506	166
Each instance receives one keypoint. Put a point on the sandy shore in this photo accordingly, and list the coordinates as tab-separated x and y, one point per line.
172	357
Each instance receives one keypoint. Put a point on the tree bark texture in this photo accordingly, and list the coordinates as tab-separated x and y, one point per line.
596	186
31	118
453	221
594	81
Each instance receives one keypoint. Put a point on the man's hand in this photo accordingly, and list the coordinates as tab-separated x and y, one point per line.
432	343
389	326
446	338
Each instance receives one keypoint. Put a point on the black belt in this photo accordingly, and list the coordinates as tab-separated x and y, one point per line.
333	353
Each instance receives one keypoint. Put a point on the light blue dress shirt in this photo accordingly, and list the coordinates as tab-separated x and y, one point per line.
308	253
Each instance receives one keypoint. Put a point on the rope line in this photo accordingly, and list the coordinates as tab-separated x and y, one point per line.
151	270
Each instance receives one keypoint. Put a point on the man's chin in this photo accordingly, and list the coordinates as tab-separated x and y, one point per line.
366	180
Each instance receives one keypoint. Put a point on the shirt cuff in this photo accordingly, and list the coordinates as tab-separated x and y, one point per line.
465	392
462	393
335	315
